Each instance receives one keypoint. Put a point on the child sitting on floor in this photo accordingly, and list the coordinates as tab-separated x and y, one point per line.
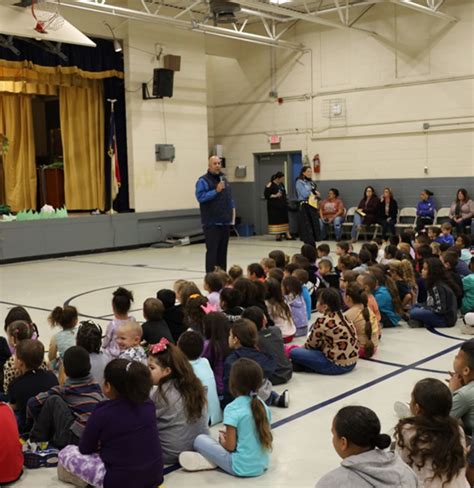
155	327
121	303
67	319
387	297
213	285
61	413
216	346
270	341
278	310
243	340
327	273
129	336
307	287
430	441
173	313
195	311
29	356
267	264
280	258
89	336
324	252
120	445
292	290
332	347
11	459
192	344
446	237
255	272
231	300
235	272
365	462
180	400
243	448
369	284
17	332
364	320
461	384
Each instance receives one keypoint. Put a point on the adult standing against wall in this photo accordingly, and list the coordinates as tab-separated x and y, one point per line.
387	212
308	214
425	210
332	211
277	207
461	211
366	213
217	213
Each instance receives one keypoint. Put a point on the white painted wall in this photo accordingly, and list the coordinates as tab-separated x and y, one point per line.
419	69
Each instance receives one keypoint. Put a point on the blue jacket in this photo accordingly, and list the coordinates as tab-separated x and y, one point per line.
445	239
385	303
267	363
216	207
425	208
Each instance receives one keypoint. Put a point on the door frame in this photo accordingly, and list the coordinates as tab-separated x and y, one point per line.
289	177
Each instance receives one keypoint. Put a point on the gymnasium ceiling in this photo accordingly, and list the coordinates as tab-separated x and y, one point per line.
259	21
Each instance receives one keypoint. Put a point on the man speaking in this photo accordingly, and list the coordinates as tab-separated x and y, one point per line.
217	213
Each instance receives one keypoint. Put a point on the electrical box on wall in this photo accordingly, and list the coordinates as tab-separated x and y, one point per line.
164	152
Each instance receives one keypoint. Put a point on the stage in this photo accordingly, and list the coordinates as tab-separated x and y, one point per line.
90	233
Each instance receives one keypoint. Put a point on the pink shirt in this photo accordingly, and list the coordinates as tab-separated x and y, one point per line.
329	208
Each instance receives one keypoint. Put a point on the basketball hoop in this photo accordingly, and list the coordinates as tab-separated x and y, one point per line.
47	16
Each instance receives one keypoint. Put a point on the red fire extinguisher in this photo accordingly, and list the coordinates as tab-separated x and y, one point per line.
316	164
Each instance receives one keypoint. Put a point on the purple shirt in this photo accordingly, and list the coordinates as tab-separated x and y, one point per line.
217	366
126	437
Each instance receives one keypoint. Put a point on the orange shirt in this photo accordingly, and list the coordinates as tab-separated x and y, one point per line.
372	304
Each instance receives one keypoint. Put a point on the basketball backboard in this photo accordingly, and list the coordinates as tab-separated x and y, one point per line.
17	21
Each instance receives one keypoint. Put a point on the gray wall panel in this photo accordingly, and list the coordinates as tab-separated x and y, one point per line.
406	192
19	240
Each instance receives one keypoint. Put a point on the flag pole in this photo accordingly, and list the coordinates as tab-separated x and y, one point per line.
111	210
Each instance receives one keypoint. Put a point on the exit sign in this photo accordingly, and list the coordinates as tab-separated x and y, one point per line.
274	140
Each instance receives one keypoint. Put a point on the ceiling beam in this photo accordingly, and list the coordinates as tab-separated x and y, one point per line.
142	16
292	14
426	10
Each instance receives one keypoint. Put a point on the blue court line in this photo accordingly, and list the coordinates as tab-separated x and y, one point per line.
442	334
346	394
399	365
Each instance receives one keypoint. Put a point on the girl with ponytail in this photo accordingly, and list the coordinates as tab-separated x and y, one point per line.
244	446
432	442
66	318
364	320
120	444
357	440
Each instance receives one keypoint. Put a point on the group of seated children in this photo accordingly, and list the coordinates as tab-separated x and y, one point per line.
199	359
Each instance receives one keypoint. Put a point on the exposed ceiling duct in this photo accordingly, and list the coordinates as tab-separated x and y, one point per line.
223	12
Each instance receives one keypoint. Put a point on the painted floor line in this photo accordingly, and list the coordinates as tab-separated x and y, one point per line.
442	334
399	365
33	307
116	285
143	266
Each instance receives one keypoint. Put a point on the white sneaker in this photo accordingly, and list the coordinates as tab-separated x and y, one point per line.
193	461
402	410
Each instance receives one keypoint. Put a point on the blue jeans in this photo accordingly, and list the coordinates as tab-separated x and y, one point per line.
427	317
337	223
358	219
317	362
214	452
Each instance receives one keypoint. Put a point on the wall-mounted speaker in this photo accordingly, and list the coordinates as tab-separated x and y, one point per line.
163	82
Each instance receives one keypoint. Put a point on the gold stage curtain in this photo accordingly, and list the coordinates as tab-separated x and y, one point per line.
16	122
82	131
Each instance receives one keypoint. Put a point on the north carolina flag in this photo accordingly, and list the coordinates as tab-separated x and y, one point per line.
114	162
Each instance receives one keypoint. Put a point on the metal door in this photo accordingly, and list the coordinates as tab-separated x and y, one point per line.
267	165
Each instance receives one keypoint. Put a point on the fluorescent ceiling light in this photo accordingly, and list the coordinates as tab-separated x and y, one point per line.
280	2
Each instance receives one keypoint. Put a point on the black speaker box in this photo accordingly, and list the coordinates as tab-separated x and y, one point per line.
163	82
